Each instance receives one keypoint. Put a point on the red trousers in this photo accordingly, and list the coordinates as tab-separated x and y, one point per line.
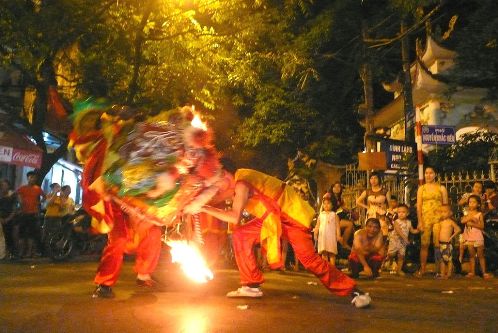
147	250
374	261
245	237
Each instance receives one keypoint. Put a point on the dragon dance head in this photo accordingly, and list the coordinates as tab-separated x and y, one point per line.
153	168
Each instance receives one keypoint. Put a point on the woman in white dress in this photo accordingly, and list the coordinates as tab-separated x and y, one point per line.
327	231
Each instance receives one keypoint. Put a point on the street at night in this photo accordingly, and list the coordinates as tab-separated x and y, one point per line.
157	155
40	296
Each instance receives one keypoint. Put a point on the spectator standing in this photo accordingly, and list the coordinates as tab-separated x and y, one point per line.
398	239
27	228
52	212
430	197
473	236
327	231
477	189
7	213
339	206
376	198
368	250
59	205
67	203
448	230
392	213
491	203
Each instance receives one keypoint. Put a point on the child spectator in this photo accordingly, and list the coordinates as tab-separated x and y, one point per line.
491	203
392	212
368	250
398	239
327	231
345	216
448	230
473	236
477	189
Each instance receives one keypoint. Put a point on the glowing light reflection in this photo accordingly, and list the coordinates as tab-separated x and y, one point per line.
194	323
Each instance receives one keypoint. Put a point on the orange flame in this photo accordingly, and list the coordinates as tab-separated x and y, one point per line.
198	123
190	260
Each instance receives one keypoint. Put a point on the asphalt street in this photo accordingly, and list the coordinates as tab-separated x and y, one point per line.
41	296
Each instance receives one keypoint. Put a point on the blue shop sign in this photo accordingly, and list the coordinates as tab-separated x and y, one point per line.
398	153
438	135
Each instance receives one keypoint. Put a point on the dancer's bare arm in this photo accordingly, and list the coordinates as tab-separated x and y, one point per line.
239	203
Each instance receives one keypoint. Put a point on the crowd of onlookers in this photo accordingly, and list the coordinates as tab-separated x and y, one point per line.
381	243
24	228
386	233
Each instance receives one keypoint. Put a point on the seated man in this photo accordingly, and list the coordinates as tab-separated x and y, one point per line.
368	250
279	213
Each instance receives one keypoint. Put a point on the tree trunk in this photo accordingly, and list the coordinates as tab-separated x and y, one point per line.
137	57
47	78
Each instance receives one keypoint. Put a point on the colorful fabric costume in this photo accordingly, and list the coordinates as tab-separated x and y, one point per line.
279	212
138	175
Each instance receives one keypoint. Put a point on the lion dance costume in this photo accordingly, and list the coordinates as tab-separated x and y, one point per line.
138	177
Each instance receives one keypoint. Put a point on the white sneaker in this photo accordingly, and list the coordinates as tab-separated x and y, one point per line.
246	291
361	300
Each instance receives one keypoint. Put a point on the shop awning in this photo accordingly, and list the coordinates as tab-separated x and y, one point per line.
17	149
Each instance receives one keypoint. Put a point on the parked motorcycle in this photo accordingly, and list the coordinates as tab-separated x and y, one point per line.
75	238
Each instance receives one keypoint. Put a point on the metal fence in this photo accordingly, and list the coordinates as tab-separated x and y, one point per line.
459	183
355	181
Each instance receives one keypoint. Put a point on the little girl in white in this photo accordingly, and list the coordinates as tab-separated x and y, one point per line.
327	231
473	236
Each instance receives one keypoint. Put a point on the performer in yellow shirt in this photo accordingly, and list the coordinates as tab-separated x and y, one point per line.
279	212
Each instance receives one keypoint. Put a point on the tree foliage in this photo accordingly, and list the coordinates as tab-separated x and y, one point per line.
476	45
470	153
34	36
275	76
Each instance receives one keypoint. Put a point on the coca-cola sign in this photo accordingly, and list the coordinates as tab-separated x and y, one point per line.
20	157
28	158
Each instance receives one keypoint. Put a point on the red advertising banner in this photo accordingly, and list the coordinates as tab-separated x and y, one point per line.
20	157
17	149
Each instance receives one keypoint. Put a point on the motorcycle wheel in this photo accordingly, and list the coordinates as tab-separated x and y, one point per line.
60	246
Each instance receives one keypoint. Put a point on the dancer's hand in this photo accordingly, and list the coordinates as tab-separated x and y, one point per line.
368	271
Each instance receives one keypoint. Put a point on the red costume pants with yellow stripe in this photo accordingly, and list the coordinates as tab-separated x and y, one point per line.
147	251
245	237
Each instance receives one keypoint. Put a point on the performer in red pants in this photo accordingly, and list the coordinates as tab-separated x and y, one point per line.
280	212
128	236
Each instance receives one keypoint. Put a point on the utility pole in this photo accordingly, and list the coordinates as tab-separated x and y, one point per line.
366	77
407	85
